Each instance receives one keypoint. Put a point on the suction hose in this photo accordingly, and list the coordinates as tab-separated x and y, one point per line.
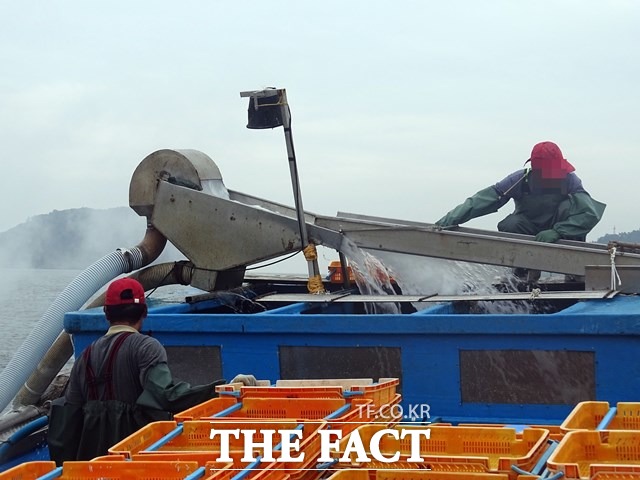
57	356
28	356
171	273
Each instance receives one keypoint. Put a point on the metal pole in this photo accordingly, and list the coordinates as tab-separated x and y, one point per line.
280	100
312	263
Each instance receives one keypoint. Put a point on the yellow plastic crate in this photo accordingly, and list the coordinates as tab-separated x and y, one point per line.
585	453
588	415
28	471
455	449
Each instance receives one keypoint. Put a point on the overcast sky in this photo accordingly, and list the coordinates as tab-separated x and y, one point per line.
400	108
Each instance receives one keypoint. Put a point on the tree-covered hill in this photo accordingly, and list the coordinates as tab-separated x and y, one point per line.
71	239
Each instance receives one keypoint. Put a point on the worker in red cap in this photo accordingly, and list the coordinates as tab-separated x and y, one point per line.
119	383
549	199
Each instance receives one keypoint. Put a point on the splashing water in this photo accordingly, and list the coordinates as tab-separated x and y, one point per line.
372	278
416	275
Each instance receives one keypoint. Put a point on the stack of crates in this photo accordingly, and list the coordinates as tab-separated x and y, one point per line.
460	450
364	474
601	416
382	395
601	442
337	412
306	405
194	441
118	469
28	470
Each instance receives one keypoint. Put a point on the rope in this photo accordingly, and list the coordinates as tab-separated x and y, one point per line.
535	293
315	285
310	252
614	271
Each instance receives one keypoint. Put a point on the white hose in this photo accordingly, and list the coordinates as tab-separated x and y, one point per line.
44	333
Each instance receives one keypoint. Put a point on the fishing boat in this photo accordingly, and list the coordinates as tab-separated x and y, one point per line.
515	353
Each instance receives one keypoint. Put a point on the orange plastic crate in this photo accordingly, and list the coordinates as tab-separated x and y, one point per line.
588	415
263	408
192	440
206	409
28	471
387	415
584	453
123	470
109	458
395	474
262	471
455	449
615	476
356	412
381	392
265	471
193	436
555	432
310	474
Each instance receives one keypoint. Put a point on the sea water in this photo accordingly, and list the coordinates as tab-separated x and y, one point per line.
25	295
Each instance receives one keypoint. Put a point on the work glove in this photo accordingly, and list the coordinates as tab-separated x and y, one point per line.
246	380
446	221
548	236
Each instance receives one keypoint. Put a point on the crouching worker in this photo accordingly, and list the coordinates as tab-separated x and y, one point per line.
550	201
120	383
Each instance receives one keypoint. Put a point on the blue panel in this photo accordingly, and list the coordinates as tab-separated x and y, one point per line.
430	341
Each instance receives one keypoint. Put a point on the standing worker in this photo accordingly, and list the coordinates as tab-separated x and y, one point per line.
549	199
120	383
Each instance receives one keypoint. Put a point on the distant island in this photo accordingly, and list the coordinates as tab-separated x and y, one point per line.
72	239
75	238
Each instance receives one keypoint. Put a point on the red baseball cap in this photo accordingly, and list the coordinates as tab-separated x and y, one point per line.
547	157
124	291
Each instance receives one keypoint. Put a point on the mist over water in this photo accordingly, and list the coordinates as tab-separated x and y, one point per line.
74	239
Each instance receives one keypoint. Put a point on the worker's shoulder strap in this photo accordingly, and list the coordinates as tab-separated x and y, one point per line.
106	374
518	178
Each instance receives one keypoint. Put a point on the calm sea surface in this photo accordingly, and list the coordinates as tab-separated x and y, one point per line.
25	295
